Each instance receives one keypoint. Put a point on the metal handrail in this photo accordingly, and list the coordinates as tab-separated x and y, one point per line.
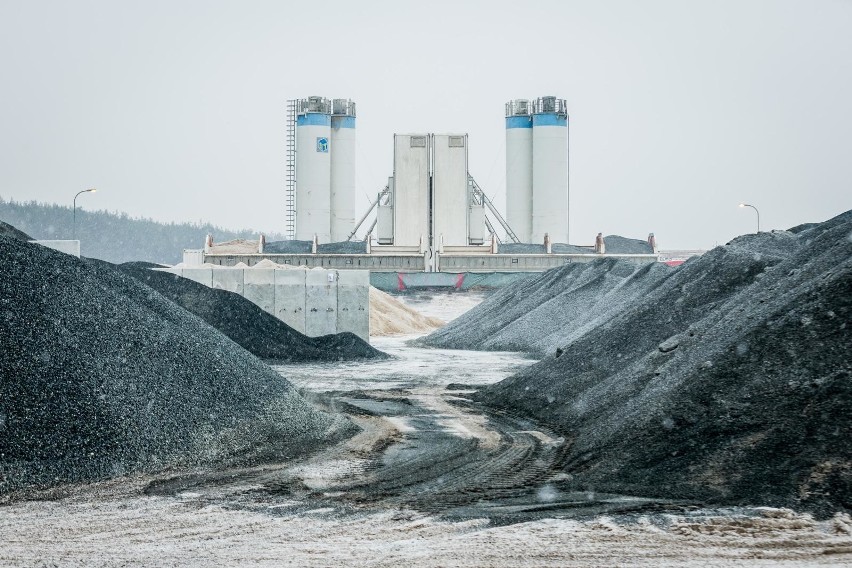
476	189
491	230
544	105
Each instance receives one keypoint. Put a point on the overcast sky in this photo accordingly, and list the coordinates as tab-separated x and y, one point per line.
679	110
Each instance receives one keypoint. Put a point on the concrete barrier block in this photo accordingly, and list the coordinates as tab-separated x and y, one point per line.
230	279
320	302
200	275
289	298
259	287
353	302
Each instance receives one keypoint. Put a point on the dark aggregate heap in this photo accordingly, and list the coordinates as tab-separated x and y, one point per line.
729	381
248	325
100	376
304	247
7	230
615	244
288	247
551	309
622	245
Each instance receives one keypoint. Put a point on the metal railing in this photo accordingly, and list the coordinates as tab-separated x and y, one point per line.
477	191
543	105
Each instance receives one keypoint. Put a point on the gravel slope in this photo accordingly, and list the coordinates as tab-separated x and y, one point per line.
257	331
551	309
729	381
101	376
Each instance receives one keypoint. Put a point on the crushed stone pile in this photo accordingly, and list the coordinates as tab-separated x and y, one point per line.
729	382
615	244
304	247
551	309
389	316
7	230
101	376
259	332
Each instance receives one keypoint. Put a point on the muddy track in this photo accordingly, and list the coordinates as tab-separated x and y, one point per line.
428	450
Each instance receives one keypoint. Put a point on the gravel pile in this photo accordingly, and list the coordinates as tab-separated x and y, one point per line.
551	309
729	381
7	230
304	247
259	332
102	376
615	244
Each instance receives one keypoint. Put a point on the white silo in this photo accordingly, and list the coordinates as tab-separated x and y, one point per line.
313	169
550	170
342	169
519	168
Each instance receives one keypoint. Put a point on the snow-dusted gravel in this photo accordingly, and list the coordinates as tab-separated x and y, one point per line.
429	480
157	531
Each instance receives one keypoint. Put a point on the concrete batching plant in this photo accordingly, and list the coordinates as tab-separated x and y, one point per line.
537	169
430	199
321	169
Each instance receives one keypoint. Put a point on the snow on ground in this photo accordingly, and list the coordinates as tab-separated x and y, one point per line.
156	531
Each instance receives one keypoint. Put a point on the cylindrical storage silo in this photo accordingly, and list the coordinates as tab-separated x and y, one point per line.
342	169
550	170
313	169
519	168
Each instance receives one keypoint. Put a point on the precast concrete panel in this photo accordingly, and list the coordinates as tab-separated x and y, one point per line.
410	188
519	175
353	302
450	189
320	302
290	297
550	178
342	179
230	279
200	275
313	177
259	287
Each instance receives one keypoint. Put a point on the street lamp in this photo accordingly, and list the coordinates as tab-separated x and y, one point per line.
74	212
756	211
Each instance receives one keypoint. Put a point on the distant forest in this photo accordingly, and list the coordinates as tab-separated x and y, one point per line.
117	237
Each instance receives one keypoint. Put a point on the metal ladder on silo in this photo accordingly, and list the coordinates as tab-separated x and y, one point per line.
290	168
477	191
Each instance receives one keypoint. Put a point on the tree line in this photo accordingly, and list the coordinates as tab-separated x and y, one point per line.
116	236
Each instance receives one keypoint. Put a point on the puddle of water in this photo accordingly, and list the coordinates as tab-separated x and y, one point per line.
410	368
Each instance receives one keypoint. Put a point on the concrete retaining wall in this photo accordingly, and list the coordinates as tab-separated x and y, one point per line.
314	302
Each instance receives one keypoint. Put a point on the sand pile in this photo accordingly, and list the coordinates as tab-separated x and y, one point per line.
236	246
257	331
389	316
730	381
100	376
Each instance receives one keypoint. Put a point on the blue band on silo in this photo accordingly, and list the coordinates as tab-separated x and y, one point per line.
314	119
518	122
343	122
549	119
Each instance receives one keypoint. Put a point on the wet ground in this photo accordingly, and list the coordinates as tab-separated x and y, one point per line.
432	479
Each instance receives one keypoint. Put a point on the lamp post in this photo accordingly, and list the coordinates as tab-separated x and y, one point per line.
756	211
74	212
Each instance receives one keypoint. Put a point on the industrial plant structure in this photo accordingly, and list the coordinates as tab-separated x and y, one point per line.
321	174
537	169
433	222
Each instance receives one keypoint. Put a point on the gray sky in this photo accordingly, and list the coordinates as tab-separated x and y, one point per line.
679	110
